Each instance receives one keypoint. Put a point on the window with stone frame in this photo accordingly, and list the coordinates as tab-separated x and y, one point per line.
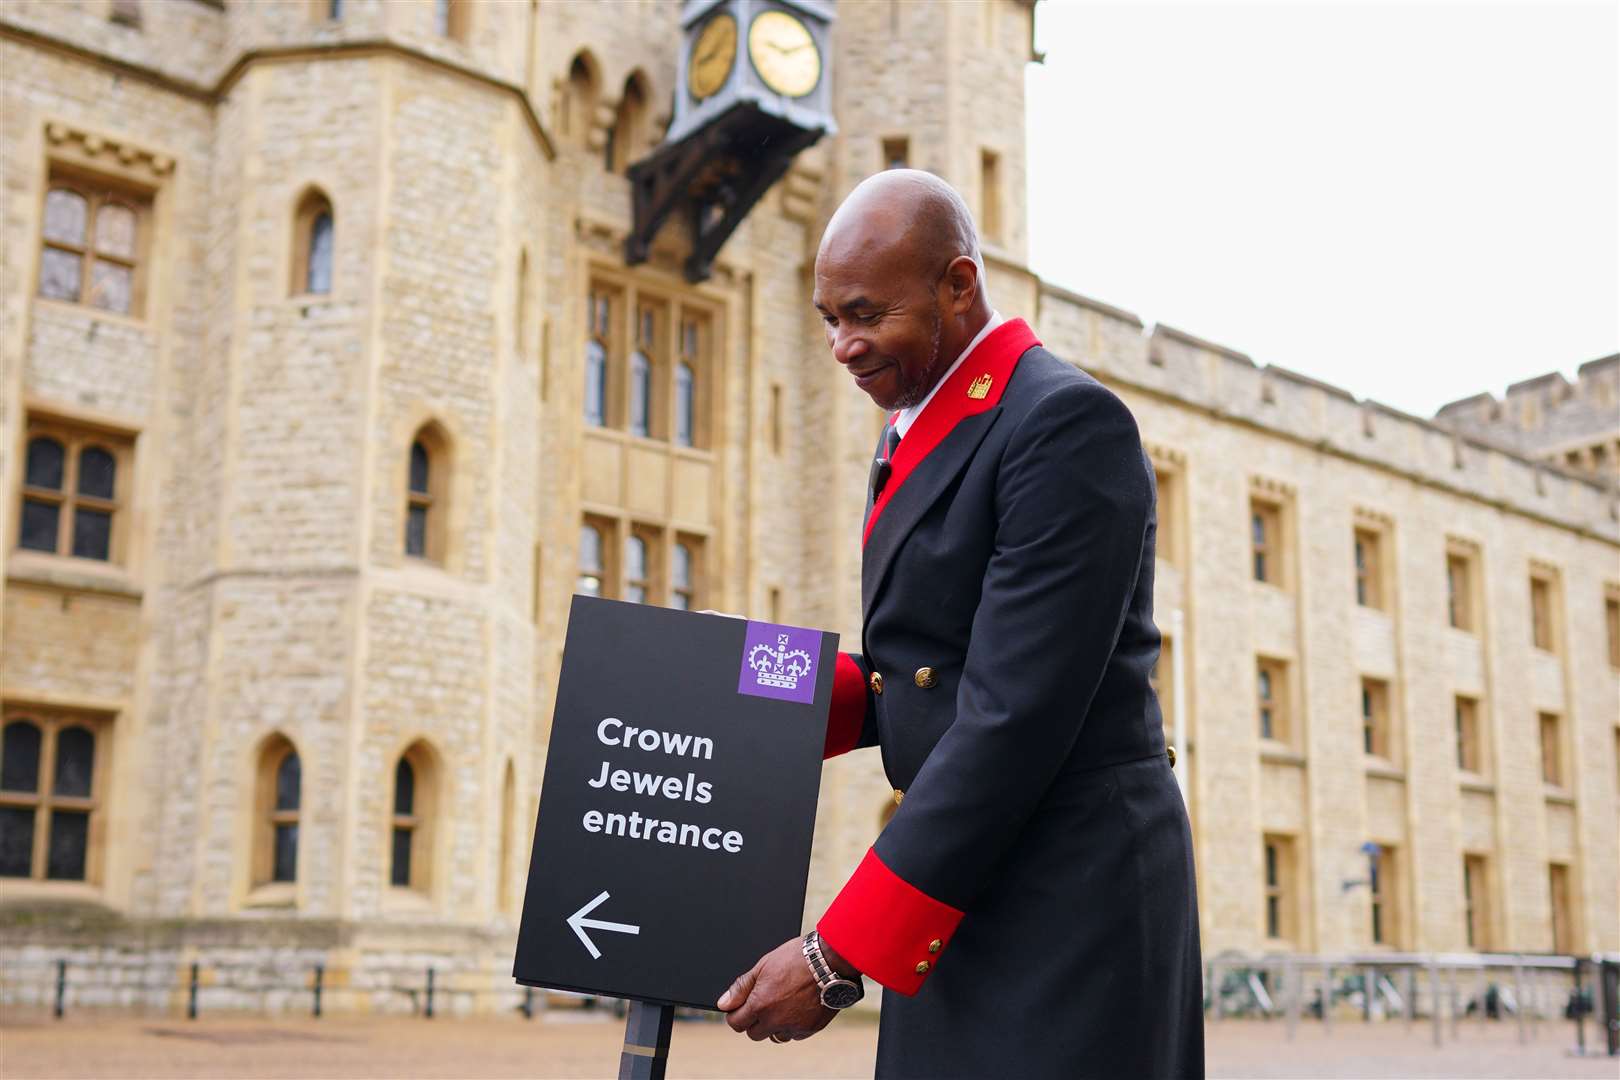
686	572
1543	631
1167	482
642	560
644	414
896	152
314	245
410	853
1377	734
1368	544
1272	701
93	244
1266	542
278	797
1477	902
597	576
599	314
426	491
452	18
990	216
1559	901
1280	890
648	358
1550	727
52	771
73	490
1460	589
1385	928
1471	757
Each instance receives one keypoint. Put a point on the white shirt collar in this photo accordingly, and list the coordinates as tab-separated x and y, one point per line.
906	417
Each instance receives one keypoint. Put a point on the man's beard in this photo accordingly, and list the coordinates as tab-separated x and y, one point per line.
914	393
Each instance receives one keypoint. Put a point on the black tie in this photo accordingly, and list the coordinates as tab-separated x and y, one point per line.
882	467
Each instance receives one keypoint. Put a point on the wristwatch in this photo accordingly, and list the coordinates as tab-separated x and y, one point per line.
836	992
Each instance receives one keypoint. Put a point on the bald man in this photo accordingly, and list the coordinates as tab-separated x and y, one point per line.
1030	907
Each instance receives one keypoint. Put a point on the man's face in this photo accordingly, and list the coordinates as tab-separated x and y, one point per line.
883	321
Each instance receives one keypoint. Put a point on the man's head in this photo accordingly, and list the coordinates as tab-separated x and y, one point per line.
899	284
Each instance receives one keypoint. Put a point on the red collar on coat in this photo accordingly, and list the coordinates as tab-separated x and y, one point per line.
963	394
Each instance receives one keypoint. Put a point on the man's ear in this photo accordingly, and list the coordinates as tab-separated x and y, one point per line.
962	278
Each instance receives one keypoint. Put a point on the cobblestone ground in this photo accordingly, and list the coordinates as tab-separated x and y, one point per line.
583	1045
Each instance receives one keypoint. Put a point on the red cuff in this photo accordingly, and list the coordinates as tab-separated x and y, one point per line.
848	713
888	928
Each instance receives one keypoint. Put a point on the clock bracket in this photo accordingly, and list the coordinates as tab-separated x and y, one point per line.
713	177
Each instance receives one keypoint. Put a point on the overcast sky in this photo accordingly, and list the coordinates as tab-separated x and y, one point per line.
1415	202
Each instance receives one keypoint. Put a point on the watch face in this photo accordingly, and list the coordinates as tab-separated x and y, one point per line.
712	56
841	995
784	53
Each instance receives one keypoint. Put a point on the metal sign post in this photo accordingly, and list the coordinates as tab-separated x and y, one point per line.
646	1041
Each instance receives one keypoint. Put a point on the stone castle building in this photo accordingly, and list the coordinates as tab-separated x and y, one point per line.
324	384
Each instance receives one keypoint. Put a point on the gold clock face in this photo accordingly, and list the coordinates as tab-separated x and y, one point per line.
784	53
712	56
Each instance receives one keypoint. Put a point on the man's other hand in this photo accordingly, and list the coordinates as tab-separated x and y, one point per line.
777	996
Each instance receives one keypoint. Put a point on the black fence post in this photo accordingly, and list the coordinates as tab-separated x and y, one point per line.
1575	1012
61	987
528	1003
320	976
428	1012
191	996
1609	977
646	1041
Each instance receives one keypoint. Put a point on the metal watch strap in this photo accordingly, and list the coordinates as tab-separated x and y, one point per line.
822	971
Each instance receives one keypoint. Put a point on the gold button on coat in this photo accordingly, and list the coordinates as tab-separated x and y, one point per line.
935	945
924	677
922	968
899	796
1170	752
876	682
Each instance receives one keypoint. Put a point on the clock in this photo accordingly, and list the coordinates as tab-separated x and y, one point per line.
713	54
784	53
739	123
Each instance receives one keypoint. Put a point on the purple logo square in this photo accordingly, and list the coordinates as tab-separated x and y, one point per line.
780	662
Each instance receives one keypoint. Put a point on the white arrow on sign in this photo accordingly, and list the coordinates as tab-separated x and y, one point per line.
578	922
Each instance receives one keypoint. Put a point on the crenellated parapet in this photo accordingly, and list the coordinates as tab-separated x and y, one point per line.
1116	346
1573	424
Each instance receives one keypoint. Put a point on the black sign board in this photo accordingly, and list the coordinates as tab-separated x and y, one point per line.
673	840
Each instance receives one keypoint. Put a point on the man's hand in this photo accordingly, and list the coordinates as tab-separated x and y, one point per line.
777	996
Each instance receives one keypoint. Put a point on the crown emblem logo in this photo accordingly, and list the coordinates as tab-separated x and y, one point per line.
779	666
979	388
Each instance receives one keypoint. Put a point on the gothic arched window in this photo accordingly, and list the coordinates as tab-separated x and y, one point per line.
411	819
314	245
424	495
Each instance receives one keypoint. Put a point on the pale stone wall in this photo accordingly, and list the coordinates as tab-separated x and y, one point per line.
265	591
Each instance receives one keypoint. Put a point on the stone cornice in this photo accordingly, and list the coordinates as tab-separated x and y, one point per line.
346	50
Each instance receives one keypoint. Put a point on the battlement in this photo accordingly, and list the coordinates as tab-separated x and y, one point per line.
1226	383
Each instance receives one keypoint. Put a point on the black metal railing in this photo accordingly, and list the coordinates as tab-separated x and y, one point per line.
1446	989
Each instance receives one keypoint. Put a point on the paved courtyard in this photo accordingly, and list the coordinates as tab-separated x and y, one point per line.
584	1045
